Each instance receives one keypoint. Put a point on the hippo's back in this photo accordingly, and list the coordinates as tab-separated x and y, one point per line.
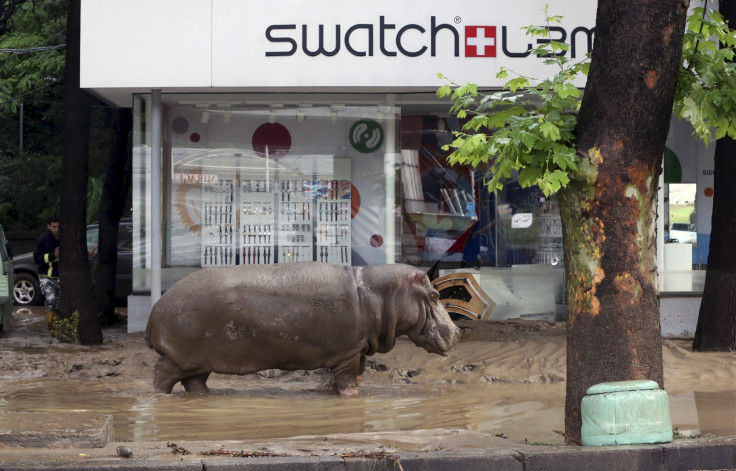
223	307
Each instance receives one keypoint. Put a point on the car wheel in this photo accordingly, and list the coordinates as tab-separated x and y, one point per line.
26	290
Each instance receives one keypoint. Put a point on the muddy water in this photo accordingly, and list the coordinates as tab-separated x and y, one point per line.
520	412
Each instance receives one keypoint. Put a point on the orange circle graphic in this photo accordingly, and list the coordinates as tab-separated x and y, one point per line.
354	201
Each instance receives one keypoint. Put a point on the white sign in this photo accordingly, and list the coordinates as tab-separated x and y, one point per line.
325	43
522	220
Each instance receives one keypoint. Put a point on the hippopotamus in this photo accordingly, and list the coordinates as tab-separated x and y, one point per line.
295	316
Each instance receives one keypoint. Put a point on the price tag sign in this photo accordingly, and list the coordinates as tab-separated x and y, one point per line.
521	220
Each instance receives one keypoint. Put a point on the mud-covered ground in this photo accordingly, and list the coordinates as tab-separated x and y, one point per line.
514	351
504	378
503	351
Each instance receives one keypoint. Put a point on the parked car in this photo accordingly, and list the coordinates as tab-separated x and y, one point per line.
684	233
26	290
6	280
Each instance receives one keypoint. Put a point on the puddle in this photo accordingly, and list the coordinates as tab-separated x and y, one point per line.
526	412
520	412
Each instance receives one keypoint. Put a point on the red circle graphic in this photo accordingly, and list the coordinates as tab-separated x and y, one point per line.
376	240
273	136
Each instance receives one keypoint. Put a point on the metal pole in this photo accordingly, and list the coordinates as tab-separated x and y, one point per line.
156	221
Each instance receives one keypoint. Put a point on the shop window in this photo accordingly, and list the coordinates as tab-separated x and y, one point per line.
530	228
253	184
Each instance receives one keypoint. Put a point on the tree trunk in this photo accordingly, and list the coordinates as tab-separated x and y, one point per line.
114	196
76	283
608	210
716	330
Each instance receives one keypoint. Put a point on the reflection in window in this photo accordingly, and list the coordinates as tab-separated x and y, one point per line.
440	201
681	228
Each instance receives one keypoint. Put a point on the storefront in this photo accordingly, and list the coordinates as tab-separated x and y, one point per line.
276	132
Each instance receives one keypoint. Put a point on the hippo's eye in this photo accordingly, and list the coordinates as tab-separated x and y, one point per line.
434	296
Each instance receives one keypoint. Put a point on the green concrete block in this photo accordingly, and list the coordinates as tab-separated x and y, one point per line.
625	413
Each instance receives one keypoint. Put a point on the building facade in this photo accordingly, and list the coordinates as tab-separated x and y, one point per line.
277	132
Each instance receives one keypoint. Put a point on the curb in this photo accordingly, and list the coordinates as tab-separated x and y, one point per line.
685	455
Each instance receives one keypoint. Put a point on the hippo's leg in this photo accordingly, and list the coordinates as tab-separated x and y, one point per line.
346	375
361	369
196	384
166	375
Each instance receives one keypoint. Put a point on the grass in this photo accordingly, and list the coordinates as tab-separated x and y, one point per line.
681	212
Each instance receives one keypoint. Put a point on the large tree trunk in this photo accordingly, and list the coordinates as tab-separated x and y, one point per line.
76	283
716	330
114	196
608	210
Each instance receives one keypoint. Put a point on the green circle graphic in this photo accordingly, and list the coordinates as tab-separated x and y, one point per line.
366	136
672	167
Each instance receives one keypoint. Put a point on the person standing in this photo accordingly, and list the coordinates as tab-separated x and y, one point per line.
46	257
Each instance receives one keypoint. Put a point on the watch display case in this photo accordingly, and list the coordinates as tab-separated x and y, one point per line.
219	226
295	224
279	220
256	221
333	224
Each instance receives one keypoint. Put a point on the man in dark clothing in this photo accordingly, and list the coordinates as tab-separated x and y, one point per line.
46	257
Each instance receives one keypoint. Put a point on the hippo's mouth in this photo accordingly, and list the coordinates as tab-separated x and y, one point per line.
438	335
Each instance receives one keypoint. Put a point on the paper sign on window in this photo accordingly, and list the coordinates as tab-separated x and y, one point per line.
521	220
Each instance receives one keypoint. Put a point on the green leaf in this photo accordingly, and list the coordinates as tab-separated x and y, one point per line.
566	90
444	91
517	83
529	176
550	131
527	138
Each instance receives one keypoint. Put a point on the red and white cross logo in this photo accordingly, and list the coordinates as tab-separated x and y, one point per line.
480	41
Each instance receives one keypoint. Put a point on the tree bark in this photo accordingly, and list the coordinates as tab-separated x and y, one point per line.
112	206
609	208
76	283
716	329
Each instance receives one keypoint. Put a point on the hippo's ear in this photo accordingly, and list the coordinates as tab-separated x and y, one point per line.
418	279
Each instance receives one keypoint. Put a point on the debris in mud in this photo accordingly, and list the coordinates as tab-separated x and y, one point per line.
242	454
404	376
177	450
376	455
376	366
463	368
124	451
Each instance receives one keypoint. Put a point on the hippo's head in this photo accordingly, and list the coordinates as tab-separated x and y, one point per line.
434	331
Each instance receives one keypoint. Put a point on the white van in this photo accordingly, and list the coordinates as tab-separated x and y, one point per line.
684	233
